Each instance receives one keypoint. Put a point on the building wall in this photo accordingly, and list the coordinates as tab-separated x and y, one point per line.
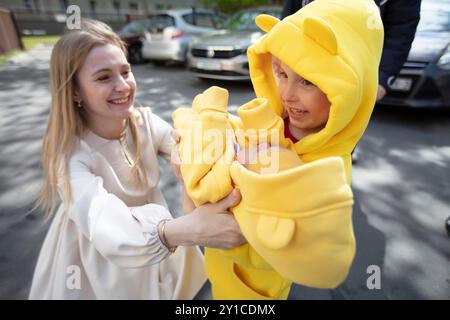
102	6
48	16
9	37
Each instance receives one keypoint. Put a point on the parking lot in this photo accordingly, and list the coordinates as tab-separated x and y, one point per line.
401	183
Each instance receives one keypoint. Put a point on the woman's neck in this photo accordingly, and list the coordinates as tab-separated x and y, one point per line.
108	129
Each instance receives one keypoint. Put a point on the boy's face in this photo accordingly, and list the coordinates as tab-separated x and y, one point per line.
307	106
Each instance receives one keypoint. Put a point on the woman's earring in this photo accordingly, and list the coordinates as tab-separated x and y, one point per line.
79	104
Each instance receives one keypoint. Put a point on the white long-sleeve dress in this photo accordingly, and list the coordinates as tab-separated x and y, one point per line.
108	237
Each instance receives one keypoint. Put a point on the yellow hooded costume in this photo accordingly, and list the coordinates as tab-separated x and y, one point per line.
297	221
337	45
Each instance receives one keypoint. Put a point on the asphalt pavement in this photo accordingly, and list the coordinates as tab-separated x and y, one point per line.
401	184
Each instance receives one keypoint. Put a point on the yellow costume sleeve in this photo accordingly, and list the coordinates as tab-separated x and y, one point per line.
257	124
206	146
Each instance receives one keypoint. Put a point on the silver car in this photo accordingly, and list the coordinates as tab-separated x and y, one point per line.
171	31
223	55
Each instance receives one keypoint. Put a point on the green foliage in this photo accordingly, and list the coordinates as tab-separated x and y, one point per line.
6	56
30	41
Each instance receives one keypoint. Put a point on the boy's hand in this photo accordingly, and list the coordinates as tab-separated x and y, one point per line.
381	92
250	155
247	155
175	136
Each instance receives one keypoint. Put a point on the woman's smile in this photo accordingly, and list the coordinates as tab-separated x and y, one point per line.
121	102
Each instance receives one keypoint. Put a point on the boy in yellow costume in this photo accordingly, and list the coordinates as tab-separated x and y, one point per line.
297	221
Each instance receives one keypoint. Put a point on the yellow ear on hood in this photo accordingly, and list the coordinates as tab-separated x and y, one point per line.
320	31
266	22
275	232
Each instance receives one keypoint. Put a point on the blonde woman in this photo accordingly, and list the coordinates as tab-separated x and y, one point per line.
112	236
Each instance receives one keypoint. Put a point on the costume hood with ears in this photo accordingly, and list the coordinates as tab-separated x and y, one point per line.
337	45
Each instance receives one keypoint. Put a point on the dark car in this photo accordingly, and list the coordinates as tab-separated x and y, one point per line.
133	34
424	80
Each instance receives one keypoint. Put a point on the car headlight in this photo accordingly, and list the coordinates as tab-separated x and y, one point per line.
444	60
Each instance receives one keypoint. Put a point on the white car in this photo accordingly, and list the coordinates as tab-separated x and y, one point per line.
171	31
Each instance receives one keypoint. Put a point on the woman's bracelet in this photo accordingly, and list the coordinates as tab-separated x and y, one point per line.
162	235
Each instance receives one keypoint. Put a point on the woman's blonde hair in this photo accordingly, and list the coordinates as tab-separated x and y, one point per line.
66	123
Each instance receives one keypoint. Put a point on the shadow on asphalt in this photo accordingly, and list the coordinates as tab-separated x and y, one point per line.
402	185
24	92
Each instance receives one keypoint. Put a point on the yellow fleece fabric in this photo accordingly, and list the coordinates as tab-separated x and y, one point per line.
297	220
268	264
205	150
209	136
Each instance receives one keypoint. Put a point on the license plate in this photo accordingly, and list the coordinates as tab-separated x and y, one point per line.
402	84
209	65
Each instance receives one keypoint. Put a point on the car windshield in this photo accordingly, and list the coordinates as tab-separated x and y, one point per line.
138	26
245	20
161	21
434	16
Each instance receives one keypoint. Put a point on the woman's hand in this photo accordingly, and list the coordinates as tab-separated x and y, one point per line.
175	160
216	226
210	225
381	92
188	204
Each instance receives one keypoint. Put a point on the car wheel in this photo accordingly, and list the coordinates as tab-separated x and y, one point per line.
207	80
447	226
135	55
159	63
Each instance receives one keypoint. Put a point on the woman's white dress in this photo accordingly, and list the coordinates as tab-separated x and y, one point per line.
106	245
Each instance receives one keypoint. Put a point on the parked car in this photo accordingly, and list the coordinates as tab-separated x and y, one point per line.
171	31
424	80
133	34
223	55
